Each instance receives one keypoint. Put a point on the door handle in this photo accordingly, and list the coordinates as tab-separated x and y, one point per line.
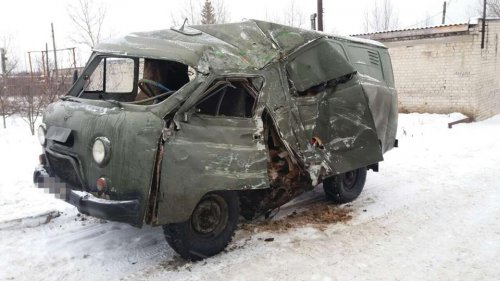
257	137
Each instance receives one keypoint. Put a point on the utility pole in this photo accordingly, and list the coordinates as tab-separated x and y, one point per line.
31	65
55	51
74	57
3	58
320	15
313	21
47	58
444	12
483	25
3	64
43	65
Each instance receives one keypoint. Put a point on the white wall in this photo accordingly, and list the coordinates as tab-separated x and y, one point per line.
449	74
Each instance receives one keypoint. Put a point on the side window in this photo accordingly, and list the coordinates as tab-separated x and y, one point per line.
366	61
387	67
317	65
96	80
112	75
234	99
119	75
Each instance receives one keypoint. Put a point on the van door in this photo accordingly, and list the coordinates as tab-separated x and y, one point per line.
219	145
374	66
334	111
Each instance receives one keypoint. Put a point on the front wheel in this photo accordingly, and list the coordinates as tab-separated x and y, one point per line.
209	229
346	187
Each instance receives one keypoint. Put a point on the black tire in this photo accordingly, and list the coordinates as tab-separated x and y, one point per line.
209	229
345	188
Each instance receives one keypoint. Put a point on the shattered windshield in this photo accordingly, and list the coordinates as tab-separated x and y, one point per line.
135	80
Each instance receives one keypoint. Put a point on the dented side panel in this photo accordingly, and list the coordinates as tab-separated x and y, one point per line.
337	132
383	105
340	122
284	113
208	154
345	129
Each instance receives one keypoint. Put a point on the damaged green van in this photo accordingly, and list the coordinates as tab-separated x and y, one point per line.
192	127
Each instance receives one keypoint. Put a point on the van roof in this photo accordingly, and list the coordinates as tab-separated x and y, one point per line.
249	44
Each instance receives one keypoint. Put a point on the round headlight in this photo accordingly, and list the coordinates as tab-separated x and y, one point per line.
41	134
101	150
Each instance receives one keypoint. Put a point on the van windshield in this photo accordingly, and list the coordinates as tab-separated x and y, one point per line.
134	80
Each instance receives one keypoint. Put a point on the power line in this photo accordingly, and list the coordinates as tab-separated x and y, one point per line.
450	19
423	21
448	3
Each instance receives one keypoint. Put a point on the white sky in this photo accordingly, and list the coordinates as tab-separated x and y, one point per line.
27	22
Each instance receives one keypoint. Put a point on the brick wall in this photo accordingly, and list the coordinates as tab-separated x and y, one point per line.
488	83
449	73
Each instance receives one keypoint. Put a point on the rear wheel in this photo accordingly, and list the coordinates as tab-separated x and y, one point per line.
345	187
210	228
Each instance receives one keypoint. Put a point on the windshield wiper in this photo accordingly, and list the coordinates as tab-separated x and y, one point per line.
68	98
114	102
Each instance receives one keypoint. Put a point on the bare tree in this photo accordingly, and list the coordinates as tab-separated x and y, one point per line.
221	13
33	94
293	15
271	16
5	102
88	19
381	17
428	19
190	11
492	8
8	66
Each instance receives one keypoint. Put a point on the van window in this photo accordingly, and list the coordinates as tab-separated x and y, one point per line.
112	75
316	65
387	67
137	80
233	100
366	61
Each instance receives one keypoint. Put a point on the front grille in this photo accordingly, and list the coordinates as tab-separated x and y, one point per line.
65	167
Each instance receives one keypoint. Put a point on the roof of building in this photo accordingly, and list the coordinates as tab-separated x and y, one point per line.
441	26
423	31
248	44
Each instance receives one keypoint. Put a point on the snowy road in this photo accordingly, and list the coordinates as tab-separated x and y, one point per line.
431	213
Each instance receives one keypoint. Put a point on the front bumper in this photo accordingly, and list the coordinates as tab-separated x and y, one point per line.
122	211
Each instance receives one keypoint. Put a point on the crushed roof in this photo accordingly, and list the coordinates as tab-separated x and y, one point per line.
249	44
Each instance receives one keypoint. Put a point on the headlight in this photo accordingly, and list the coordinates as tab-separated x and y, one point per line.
101	150
41	134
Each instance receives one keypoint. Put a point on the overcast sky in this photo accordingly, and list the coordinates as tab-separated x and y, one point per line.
27	22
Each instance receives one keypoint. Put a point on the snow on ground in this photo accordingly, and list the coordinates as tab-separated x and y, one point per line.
431	213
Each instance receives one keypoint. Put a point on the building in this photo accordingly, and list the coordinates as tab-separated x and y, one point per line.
443	69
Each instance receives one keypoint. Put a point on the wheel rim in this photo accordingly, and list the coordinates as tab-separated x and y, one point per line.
349	179
210	216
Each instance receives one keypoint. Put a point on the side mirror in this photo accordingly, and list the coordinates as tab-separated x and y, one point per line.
75	76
